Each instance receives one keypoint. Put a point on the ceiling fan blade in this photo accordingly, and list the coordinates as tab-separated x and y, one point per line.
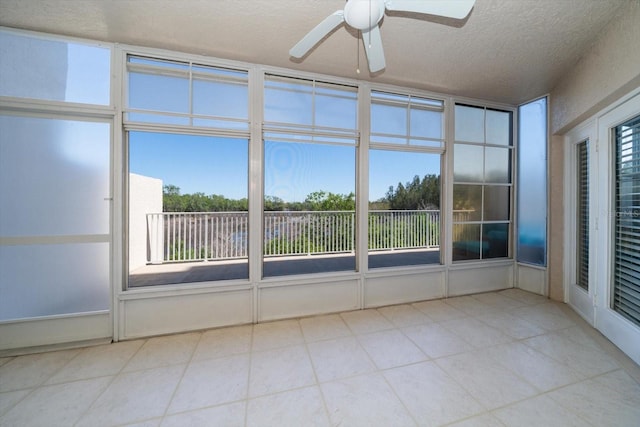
318	33
457	9
373	48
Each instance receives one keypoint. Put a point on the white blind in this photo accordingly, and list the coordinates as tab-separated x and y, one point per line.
582	229
626	293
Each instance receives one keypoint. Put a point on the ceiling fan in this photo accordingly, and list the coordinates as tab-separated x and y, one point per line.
365	15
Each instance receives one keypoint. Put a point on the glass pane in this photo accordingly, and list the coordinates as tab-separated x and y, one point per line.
47	280
582	216
495	240
290	103
467	203
54	177
158	118
469	124
389	119
466	242
497	165
496	203
532	182
309	203
404	208
336	108
159	93
187	204
625	298
467	163
54	70
498	127
426	124
221	99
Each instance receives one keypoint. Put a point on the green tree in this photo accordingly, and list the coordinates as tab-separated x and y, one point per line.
417	194
327	201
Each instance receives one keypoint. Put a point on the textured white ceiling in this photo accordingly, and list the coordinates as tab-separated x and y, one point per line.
507	50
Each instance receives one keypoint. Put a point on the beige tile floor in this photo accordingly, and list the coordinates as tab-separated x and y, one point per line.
503	358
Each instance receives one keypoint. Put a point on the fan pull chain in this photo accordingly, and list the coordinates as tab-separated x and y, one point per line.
369	24
358	48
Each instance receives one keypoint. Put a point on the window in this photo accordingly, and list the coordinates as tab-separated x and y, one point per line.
54	216
481	183
188	161
188	209
188	94
405	120
406	142
532	183
54	70
582	216
626	286
310	142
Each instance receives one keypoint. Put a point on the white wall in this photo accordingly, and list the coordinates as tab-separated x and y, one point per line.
610	69
145	196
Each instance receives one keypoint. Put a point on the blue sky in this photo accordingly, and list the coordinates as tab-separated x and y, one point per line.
292	170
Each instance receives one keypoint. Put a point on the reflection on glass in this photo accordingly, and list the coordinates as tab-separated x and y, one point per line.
497	165
309	208
496	203
466	242
187	204
467	163
467	202
495	238
404	208
498	127
469	124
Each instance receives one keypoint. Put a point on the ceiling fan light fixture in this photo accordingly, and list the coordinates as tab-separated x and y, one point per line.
363	14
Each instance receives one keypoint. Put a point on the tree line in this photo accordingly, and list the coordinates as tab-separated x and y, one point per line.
417	194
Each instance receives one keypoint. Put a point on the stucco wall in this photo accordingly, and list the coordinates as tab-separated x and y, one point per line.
609	70
145	196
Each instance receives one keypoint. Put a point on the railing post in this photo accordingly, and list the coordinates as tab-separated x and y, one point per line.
155	228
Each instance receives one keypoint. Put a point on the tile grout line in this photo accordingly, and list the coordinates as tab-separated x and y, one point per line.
114	376
184	371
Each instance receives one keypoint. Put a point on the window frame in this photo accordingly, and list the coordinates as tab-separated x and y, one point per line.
512	148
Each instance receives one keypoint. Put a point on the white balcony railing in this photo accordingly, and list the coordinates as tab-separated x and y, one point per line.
209	236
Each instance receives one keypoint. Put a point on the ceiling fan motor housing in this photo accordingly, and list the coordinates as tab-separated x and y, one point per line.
363	14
